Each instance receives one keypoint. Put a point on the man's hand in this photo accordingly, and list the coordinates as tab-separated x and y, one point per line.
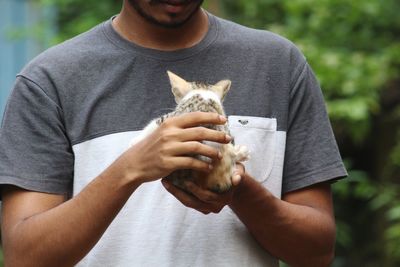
167	148
203	200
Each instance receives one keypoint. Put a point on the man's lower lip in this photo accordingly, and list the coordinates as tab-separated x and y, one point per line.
174	2
173	8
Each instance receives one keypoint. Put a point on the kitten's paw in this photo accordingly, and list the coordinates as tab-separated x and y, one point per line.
242	153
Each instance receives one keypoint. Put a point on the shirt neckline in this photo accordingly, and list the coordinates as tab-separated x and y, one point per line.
179	54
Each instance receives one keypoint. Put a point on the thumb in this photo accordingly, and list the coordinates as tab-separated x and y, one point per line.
238	174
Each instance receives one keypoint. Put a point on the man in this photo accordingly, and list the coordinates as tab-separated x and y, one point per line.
74	194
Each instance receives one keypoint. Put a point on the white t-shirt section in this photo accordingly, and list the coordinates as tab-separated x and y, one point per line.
157	230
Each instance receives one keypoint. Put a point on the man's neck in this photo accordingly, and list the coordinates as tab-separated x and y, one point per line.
133	27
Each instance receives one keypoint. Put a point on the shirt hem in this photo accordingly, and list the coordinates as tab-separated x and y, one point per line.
44	186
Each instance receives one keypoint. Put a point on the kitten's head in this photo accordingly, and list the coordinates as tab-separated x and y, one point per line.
183	89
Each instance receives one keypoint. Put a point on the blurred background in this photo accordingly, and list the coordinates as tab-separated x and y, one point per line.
354	48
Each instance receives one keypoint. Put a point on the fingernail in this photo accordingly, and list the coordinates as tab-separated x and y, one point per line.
210	167
219	155
236	179
228	138
222	118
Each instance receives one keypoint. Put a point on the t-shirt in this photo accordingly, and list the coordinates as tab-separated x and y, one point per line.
75	108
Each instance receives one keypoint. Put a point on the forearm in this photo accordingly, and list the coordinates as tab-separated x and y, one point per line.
64	234
297	234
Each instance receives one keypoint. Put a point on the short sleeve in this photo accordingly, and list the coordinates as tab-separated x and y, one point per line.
35	153
311	155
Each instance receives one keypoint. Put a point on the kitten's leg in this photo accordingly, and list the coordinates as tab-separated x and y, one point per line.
240	153
151	127
220	179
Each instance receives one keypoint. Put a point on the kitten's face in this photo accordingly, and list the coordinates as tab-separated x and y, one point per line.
184	90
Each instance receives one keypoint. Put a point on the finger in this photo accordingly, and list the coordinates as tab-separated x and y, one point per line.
193	119
204	134
191	163
186	199
197	148
238	174
236	178
202	194
240	169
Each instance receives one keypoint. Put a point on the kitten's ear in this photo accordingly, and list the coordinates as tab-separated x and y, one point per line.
179	86
222	87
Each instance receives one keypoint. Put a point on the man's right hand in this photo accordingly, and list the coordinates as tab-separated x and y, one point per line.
169	146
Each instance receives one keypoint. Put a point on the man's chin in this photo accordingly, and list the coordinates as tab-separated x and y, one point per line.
173	24
174	19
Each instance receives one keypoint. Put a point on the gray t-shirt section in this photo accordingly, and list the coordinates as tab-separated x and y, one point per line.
98	83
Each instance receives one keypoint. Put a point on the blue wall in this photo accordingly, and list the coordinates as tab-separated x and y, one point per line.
20	39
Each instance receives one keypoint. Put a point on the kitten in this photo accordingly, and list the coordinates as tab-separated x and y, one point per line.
191	97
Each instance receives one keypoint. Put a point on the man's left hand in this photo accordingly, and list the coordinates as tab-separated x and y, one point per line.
204	200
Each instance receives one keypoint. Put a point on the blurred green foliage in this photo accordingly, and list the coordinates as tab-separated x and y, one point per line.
77	16
354	48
